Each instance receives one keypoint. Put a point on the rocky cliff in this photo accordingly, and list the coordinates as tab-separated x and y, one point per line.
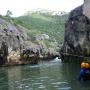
15	48
13	40
77	36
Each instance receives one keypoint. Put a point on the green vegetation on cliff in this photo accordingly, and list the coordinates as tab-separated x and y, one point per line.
43	28
37	32
40	23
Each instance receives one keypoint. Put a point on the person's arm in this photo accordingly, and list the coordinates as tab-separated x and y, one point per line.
81	74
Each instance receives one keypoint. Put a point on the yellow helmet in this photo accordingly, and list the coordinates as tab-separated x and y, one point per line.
83	65
87	65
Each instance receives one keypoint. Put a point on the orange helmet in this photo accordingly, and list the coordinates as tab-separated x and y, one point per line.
83	65
87	65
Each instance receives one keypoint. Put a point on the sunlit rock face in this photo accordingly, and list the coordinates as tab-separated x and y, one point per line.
16	48
13	40
86	8
77	34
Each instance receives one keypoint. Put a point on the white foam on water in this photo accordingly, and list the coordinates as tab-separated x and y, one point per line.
56	60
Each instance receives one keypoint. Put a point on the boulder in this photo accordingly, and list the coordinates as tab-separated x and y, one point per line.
30	56
13	58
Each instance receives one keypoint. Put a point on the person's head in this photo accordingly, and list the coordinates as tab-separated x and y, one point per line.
87	65
83	65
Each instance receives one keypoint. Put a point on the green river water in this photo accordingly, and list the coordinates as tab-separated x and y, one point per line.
51	75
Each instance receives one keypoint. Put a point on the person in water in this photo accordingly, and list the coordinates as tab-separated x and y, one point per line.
84	73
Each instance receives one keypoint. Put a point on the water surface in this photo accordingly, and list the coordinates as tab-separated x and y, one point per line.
52	75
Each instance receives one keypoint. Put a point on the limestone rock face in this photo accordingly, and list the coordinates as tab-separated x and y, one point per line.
86	8
14	58
77	34
13	36
15	48
13	40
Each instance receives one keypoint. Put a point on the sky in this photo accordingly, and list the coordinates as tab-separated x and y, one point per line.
19	7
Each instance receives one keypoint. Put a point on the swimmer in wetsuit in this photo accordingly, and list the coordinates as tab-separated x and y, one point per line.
84	73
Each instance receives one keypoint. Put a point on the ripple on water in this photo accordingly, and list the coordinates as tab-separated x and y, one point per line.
37	83
19	86
56	86
42	87
24	86
64	88
59	83
16	81
27	79
46	64
43	78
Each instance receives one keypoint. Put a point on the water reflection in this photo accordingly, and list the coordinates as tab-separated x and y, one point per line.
45	76
14	74
3	79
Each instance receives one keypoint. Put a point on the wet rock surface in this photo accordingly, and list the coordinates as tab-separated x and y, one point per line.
77	35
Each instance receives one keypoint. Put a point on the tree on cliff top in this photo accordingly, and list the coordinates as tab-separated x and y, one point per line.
8	13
